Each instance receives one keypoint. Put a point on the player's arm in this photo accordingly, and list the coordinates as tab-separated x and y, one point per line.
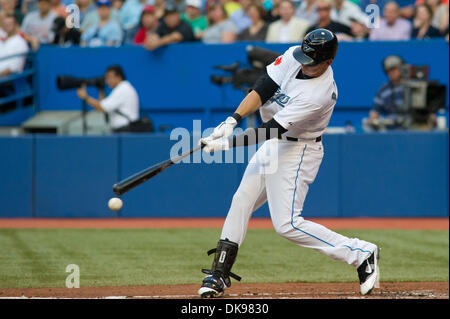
262	91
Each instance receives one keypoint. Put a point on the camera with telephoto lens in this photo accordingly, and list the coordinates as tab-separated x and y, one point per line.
65	82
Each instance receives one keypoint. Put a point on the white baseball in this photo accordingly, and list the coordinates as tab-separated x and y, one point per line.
115	203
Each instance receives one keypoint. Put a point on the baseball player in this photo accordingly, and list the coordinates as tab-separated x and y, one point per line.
295	98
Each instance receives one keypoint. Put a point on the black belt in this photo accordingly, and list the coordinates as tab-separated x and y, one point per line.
294	139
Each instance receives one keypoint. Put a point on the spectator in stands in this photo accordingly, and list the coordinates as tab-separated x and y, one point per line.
160	8
170	30
9	7
230	6
11	44
289	28
343	10
359	31
85	7
422	23
38	24
258	30
240	17
65	36
130	13
389	100
221	29
149	23
28	6
307	10
92	18
440	14
178	5
193	15
58	8
273	11
325	21
104	33
122	104
392	27
117	4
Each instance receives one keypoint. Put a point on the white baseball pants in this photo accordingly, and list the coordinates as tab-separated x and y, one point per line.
285	189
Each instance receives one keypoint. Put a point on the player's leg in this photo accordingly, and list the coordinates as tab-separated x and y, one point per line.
249	196
286	192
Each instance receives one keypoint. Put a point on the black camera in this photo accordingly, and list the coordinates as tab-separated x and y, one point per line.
65	82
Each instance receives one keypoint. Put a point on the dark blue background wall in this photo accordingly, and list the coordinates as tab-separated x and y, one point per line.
392	174
176	78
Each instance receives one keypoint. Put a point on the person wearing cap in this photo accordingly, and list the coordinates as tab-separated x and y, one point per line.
389	100
172	29
104	33
149	23
39	23
92	18
193	15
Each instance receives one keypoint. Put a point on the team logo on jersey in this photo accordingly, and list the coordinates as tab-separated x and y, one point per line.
278	60
280	98
334	96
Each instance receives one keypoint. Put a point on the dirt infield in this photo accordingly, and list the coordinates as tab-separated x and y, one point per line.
332	223
388	290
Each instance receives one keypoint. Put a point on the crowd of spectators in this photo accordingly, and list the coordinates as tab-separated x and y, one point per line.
153	23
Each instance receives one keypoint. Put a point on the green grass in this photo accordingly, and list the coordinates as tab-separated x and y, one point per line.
120	257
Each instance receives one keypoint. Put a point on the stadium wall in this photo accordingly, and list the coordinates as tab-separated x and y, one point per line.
387	175
174	85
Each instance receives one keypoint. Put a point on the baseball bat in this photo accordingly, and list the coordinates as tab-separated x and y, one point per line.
141	177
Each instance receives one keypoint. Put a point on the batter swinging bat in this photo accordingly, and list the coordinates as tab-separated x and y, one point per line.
144	175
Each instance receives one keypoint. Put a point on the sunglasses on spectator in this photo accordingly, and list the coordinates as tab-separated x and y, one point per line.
323	8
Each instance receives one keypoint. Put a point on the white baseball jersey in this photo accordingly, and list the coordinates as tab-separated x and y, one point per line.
303	107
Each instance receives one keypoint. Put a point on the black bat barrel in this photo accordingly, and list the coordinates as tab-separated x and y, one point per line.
140	177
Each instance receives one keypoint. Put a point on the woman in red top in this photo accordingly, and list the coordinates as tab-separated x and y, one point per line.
149	23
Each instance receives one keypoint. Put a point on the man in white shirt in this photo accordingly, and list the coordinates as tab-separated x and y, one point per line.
344	11
392	26
12	44
289	28
296	98
122	104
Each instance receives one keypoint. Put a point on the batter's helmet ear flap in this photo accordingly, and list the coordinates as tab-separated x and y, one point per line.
392	61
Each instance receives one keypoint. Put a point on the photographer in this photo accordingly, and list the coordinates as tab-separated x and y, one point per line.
122	105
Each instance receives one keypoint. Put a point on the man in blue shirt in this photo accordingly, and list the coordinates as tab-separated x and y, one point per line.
390	99
106	32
